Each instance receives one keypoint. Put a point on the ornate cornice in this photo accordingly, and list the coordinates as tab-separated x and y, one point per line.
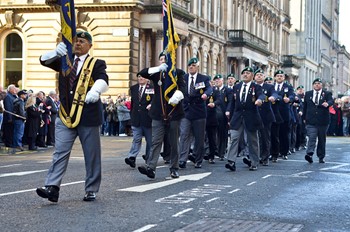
178	12
80	7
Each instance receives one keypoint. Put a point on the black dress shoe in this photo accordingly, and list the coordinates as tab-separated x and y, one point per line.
89	196
247	162
198	165
33	148
285	157
321	161
253	168
147	171
211	161
206	157
231	166
49	192
192	158
308	158
174	174
130	161
182	164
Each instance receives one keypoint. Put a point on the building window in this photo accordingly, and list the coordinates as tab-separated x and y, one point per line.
13	58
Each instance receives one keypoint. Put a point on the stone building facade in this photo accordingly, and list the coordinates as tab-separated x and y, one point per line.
225	35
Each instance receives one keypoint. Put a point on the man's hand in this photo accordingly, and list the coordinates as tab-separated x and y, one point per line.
258	102
92	97
204	97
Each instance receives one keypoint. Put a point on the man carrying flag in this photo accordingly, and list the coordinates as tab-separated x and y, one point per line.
166	110
80	112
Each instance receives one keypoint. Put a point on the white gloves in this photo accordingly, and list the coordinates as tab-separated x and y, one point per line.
163	67
99	87
176	98
61	50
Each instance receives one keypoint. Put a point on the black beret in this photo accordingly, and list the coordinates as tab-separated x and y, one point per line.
259	70
268	79
231	75
21	92
279	72
161	54
300	87
317	80
248	68
193	60
85	35
217	76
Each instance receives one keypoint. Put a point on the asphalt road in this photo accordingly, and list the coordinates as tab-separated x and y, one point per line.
290	195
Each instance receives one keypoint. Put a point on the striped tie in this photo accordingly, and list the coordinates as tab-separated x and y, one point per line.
140	92
192	88
73	73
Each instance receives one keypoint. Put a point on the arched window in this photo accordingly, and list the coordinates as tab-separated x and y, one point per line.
13	59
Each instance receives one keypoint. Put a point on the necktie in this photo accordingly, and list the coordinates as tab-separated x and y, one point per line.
140	92
243	93
278	88
316	98
73	73
192	89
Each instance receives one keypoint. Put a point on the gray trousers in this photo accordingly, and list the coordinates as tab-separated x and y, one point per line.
198	130
253	144
159	130
90	140
314	133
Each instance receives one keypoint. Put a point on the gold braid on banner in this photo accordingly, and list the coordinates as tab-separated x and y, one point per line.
79	95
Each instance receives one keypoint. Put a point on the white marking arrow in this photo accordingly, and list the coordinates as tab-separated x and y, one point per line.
21	173
147	187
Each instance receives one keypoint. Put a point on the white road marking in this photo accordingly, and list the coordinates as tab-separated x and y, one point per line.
235	190
213	199
264	177
147	227
31	190
334	167
21	173
10	165
44	161
147	187
299	174
182	212
251	183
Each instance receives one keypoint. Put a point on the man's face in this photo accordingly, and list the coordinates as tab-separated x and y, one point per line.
162	60
259	78
300	91
81	46
193	68
279	78
141	80
231	81
218	82
247	76
317	86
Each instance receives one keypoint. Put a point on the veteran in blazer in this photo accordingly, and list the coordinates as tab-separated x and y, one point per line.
222	102
247	96
141	123
197	91
80	115
316	116
266	114
280	131
166	115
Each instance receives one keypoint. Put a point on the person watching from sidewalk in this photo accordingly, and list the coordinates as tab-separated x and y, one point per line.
86	82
